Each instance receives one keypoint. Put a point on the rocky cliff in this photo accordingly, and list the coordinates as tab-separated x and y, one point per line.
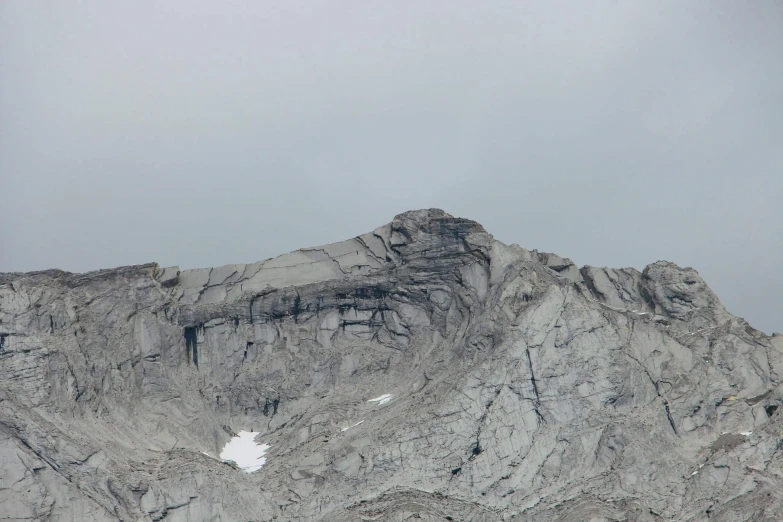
522	388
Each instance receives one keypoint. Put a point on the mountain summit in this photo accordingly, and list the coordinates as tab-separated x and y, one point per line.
421	371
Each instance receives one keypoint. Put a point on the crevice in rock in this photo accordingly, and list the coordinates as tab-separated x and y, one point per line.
383	242
297	308
585	271
646	296
475	252
537	403
191	342
368	249
165	512
477	449
273	404
752	401
669	415
656	385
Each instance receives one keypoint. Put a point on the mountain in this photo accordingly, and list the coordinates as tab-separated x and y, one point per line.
509	385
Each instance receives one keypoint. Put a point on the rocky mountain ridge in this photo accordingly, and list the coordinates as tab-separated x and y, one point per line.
523	388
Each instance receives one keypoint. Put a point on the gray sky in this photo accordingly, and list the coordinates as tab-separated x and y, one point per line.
198	133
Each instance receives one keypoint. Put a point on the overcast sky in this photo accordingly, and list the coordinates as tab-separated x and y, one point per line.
198	133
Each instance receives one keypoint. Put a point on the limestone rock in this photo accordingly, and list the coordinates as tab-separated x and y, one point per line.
521	388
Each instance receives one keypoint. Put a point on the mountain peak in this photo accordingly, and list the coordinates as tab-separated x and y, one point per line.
421	370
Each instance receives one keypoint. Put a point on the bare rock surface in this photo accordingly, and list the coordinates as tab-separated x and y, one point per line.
522	388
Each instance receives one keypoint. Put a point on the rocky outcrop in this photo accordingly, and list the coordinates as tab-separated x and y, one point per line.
523	388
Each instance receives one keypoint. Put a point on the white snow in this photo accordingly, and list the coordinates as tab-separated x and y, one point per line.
746	433
694	473
383	399
245	451
352	426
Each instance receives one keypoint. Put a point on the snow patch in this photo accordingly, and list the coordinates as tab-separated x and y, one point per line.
245	451
746	433
352	426
383	399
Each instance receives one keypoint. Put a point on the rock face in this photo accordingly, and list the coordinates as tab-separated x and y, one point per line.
523	388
